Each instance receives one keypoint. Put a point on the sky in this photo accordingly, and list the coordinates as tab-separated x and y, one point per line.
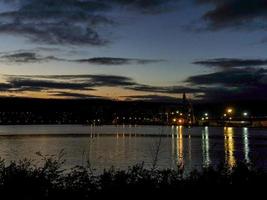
153	50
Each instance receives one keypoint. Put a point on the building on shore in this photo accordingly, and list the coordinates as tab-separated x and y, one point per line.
184	114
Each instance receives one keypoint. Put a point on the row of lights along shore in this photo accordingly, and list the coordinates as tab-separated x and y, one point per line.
227	115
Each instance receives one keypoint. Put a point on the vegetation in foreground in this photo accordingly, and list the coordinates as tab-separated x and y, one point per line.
25	180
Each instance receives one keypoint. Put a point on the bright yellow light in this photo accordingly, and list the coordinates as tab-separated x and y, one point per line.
229	110
174	120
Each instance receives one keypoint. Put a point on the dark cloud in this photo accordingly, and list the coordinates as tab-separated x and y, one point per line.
69	85
26	57
74	95
153	98
222	94
56	22
71	22
233	78
5	86
235	84
124	82
54	33
232	84
111	81
164	89
231	62
22	84
94	80
65	82
146	6
21	56
117	61
241	14
237	79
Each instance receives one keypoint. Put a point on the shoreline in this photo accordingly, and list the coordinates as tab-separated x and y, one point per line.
137	125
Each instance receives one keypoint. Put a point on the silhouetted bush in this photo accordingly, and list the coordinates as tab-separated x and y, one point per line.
25	180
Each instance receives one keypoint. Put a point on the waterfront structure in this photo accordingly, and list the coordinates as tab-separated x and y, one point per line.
184	114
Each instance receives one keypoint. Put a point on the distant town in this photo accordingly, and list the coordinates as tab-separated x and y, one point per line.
98	112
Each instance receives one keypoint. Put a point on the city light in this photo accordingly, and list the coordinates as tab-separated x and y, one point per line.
245	114
206	114
229	110
174	120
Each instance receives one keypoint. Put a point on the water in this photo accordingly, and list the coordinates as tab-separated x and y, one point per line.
123	146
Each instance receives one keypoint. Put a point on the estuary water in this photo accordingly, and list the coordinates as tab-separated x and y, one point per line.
123	146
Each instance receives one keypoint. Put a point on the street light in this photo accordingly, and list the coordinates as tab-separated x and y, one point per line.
229	113
245	114
206	114
229	110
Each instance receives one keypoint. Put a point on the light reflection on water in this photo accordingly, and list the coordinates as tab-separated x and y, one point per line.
123	146
180	146
206	147
229	146
246	144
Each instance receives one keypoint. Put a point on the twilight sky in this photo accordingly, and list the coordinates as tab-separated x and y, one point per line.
134	49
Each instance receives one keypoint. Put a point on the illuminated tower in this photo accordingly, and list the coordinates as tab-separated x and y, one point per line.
184	98
188	110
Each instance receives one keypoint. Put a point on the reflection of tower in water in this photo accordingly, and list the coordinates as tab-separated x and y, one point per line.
229	146
180	155
205	147
173	131
177	146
